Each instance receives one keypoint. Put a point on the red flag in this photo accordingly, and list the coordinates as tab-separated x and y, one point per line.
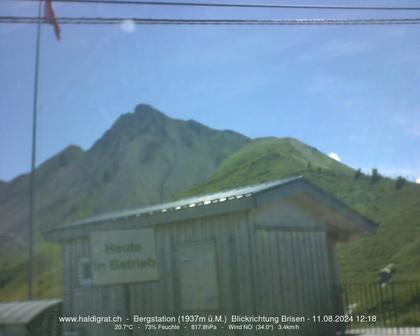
49	16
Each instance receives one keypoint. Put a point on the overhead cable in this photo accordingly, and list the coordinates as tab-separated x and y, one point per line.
233	5
146	21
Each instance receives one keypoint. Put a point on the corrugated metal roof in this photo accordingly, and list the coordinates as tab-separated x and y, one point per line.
23	312
203	200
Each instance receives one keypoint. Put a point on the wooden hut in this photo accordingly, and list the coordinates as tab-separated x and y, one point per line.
260	251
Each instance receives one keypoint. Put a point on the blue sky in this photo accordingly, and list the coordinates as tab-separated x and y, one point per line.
350	90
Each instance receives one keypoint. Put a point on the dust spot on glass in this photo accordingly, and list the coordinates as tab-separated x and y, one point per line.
128	26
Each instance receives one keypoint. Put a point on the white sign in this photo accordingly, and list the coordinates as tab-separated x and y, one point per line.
123	256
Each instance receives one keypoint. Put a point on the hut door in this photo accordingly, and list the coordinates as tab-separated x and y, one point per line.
198	276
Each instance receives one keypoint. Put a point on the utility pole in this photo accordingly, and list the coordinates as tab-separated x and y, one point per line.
33	160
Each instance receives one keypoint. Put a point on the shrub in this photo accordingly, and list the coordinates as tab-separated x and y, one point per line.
358	174
400	182
375	176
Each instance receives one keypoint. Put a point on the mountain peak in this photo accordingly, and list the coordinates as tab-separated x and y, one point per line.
147	111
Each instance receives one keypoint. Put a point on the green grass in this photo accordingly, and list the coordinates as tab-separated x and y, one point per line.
48	276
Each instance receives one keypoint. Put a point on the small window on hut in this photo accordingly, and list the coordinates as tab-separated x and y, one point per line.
85	274
198	276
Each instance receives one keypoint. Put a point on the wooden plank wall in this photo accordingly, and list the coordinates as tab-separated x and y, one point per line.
292	276
230	233
163	297
88	300
260	271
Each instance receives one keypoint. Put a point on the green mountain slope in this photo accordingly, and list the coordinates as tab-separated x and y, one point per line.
396	210
266	159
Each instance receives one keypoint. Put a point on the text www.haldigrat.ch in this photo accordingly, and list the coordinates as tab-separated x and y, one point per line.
90	319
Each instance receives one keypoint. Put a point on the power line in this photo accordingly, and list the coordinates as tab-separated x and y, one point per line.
145	21
232	5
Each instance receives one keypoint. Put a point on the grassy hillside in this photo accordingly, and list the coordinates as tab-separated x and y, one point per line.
396	210
267	159
48	277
